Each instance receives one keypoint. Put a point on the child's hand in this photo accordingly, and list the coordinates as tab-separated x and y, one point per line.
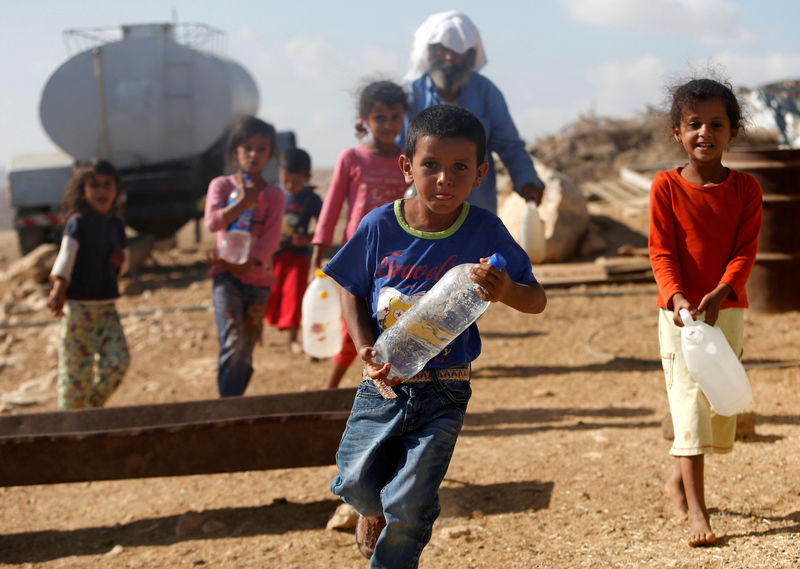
712	301
116	258
493	284
58	295
373	369
229	267
679	302
250	194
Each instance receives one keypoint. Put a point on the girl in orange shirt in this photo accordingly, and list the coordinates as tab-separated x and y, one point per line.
704	225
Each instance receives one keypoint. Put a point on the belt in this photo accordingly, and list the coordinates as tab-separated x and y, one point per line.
456	373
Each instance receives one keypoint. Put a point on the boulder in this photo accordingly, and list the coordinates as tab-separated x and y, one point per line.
563	211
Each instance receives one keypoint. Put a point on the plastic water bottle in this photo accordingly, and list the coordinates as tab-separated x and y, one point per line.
531	232
435	320
714	366
321	317
235	246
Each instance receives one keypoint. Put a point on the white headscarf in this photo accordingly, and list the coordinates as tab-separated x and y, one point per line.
453	30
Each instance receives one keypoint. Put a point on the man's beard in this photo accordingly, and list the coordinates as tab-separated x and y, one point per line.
449	76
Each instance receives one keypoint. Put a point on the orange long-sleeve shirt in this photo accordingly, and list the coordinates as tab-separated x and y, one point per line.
702	236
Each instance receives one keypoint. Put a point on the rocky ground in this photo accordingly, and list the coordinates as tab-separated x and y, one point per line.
561	463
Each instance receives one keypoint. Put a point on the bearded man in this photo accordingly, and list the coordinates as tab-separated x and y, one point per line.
445	58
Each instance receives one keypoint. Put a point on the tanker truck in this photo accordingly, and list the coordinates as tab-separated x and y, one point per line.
155	100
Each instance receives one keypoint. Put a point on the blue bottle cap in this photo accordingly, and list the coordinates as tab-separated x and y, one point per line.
497	261
246	177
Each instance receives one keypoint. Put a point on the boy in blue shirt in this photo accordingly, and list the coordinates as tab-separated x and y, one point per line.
400	435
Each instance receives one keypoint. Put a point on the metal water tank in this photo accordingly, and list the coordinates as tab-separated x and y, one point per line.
144	99
772	286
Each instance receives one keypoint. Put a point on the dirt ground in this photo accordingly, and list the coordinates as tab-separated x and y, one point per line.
561	463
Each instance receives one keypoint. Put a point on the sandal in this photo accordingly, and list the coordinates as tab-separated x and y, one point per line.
368	529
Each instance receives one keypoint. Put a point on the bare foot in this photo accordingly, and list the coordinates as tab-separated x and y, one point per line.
700	530
674	489
295	348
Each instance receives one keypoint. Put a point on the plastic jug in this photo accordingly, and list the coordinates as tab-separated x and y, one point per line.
425	329
235	245
531	232
321	317
714	366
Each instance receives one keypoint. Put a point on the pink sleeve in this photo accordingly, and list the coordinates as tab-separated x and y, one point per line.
266	242
216	199
332	205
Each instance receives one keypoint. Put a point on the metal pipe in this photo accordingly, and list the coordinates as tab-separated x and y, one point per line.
101	102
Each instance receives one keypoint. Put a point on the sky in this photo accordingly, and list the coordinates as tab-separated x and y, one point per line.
554	60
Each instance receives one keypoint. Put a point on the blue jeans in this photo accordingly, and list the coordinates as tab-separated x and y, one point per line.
239	312
392	458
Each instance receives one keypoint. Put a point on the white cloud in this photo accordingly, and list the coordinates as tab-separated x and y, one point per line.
756	70
308	84
622	88
713	22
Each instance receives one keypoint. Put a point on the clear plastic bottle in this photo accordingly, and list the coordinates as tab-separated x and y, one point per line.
714	366
235	246
321	317
435	320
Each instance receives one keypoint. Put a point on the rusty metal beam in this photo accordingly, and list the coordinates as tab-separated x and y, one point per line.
235	434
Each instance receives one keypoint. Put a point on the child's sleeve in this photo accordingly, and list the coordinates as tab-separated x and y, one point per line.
267	242
216	200
351	266
332	205
518	264
743	256
68	252
65	261
661	240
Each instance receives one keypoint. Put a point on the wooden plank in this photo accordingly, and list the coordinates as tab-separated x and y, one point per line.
565	274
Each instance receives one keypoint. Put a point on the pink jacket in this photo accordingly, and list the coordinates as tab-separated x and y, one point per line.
266	229
366	181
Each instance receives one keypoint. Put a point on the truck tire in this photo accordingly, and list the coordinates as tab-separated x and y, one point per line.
29	238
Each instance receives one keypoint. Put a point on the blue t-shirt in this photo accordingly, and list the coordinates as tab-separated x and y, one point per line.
300	208
391	265
93	277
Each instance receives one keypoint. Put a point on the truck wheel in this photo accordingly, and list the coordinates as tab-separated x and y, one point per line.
29	238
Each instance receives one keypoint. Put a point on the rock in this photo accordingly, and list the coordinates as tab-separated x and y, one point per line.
189	523
745	426
213	526
34	266
563	211
455	532
114	551
344	518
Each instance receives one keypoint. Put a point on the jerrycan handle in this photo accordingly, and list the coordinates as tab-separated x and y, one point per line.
686	316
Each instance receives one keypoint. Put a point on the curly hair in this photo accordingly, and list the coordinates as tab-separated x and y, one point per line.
685	96
75	194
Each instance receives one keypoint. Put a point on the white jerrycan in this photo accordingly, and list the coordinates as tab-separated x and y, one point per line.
714	366
531	232
321	317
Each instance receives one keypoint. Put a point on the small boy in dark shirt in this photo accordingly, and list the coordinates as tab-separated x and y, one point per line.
293	258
